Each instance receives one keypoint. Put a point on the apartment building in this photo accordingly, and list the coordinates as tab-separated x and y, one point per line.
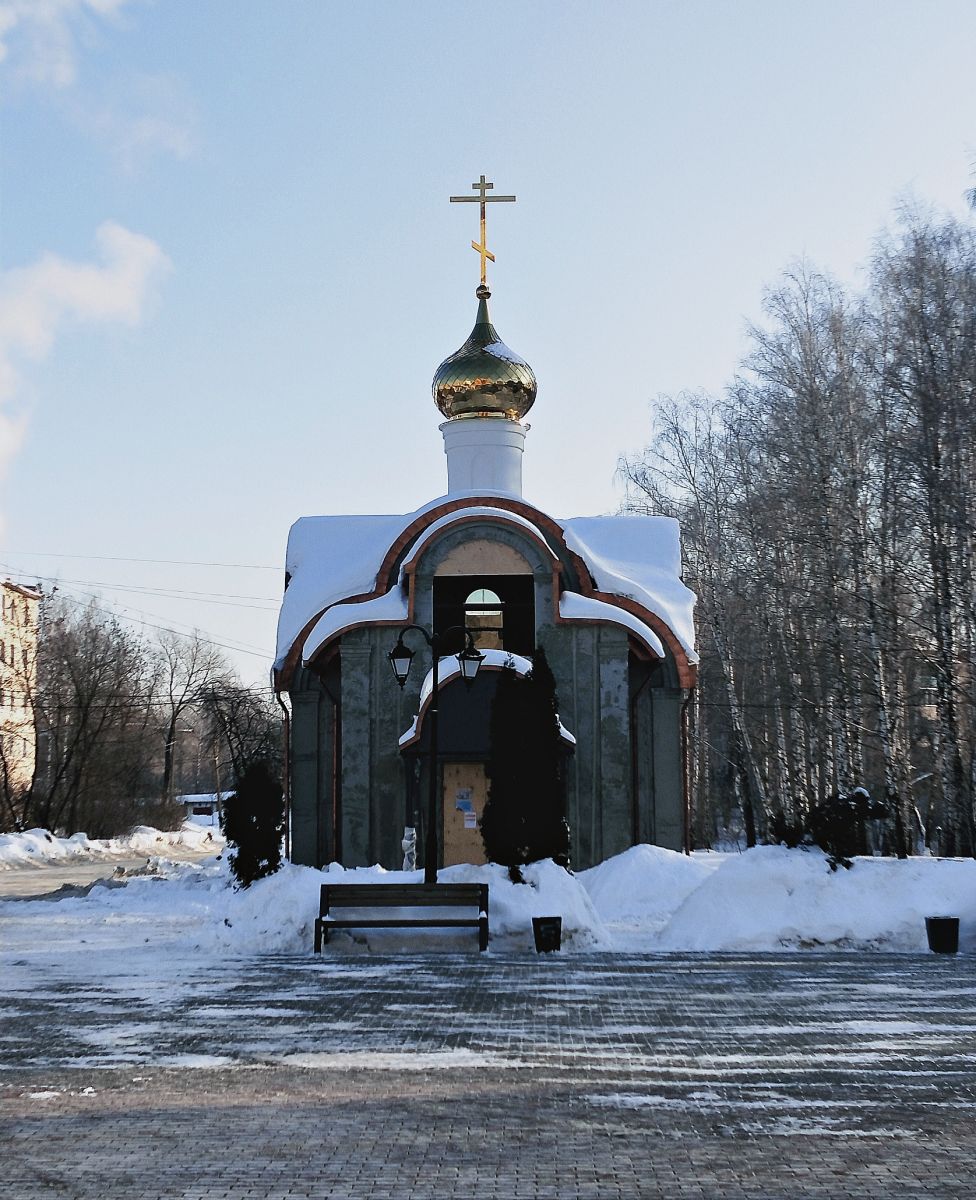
19	612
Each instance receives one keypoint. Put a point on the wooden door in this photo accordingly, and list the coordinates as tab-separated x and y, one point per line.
465	791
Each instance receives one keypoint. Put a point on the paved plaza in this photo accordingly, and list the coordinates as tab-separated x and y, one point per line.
794	1075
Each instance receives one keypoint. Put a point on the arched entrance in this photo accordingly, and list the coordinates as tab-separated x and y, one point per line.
463	753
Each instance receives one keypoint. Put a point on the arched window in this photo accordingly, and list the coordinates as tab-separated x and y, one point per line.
484	613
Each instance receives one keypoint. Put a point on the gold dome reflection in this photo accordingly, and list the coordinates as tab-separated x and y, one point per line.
484	378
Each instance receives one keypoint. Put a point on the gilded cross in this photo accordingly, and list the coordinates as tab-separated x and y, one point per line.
482	187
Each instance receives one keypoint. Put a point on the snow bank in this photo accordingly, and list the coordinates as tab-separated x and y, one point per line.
771	898
37	847
192	908
278	913
646	900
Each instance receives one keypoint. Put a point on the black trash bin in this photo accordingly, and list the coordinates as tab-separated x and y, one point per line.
943	934
548	932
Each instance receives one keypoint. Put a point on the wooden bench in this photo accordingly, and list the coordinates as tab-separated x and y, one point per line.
401	895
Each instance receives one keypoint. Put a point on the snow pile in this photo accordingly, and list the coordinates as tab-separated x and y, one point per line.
637	891
37	847
548	891
771	898
278	913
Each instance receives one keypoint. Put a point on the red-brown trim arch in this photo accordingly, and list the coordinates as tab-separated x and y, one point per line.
687	671
506	504
410	567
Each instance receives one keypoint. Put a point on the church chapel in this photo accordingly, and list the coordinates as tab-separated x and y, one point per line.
603	597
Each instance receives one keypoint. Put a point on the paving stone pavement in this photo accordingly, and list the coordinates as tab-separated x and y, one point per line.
793	1075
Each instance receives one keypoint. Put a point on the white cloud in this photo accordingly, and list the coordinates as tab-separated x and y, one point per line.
38	300
133	114
136	116
39	38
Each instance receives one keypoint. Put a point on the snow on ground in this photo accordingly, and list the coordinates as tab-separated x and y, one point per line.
645	900
197	908
38	847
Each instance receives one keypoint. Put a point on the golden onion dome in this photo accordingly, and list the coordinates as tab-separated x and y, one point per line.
484	378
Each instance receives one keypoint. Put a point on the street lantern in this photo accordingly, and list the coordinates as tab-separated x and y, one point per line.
401	656
469	660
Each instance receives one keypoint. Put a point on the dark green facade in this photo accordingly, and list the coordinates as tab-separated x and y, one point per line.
354	788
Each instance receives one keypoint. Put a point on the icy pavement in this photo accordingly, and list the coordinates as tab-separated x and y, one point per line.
604	1075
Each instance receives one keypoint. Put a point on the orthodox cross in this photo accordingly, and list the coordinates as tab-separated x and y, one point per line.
482	198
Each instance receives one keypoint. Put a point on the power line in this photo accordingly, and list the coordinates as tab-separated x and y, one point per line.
47	704
817	705
228	599
237	649
167	562
146	587
92	596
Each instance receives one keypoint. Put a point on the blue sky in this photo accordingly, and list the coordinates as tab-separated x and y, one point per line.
230	266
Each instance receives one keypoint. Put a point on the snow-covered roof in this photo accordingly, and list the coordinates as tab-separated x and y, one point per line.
330	559
333	559
574	607
449	668
391	607
639	558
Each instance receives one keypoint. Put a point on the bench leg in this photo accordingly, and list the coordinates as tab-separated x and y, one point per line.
318	936
483	934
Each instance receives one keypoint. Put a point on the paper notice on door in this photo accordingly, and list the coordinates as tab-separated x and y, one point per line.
470	820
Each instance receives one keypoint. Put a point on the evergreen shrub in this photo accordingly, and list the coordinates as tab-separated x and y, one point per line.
253	822
837	825
524	816
786	832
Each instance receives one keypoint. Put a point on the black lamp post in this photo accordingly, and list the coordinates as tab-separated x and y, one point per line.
469	660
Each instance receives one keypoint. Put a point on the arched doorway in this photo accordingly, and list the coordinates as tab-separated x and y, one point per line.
463	754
